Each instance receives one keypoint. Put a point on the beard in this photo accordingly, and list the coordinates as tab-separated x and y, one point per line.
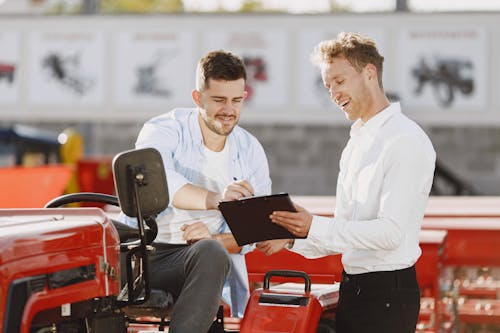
217	127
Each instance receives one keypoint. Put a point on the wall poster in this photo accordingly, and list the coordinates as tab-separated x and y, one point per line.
66	68
266	58
443	67
158	69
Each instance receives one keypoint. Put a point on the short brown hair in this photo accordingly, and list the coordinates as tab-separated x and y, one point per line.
219	65
359	50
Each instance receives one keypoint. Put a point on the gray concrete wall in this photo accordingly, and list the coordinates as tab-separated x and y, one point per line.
304	158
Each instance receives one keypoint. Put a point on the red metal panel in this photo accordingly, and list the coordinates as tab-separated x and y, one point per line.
42	241
438	206
470	241
321	270
478	311
429	263
428	269
264	318
30	232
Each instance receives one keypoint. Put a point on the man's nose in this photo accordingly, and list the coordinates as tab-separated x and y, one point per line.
226	104
334	95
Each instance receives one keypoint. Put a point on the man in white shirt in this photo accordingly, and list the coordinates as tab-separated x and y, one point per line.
208	158
385	177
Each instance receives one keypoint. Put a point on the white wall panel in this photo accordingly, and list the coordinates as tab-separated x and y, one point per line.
113	49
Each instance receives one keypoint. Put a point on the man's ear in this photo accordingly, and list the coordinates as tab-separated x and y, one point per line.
196	96
245	94
371	71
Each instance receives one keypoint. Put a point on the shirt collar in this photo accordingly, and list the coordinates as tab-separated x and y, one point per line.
372	126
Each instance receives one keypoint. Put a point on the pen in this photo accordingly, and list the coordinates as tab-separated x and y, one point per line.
251	195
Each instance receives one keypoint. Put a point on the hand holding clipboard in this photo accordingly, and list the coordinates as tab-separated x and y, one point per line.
248	218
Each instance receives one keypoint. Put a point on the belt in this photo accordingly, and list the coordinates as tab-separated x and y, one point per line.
402	278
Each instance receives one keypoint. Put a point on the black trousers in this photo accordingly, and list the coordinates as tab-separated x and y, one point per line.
387	302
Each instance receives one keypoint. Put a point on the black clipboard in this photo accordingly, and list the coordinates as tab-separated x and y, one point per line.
249	221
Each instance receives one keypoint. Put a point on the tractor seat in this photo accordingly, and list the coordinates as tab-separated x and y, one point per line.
159	303
157	308
127	233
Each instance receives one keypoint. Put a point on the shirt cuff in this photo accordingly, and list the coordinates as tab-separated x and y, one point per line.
319	228
247	248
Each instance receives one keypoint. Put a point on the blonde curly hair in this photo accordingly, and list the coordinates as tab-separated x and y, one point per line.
358	49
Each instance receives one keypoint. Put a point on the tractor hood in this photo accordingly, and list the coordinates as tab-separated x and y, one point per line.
31	232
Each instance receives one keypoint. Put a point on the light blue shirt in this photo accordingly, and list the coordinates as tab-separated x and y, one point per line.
177	136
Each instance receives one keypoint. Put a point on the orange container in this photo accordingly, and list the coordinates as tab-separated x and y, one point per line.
32	187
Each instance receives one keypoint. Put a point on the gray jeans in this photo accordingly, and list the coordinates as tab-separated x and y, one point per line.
194	275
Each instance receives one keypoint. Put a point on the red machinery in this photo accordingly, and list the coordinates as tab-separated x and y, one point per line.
460	277
60	269
54	264
328	270
270	310
470	286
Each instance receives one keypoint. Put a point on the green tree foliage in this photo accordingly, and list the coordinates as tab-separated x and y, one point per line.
141	7
336	8
62	7
163	6
251	6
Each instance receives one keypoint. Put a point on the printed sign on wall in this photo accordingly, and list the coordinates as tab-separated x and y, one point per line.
443	68
313	93
266	59
9	67
66	68
158	69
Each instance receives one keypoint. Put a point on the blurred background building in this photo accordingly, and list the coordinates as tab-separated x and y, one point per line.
104	67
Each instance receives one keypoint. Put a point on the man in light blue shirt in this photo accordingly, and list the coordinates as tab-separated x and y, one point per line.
208	158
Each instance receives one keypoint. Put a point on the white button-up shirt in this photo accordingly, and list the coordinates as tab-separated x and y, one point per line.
386	173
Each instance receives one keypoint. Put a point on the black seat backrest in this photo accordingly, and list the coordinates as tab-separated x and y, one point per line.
140	174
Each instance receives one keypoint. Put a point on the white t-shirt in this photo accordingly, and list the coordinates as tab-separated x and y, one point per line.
214	177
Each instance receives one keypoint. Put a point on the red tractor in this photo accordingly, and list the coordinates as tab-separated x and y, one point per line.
75	270
60	268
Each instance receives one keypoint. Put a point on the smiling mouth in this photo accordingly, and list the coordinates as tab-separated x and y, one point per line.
226	119
344	104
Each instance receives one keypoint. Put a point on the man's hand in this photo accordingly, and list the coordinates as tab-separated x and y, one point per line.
298	223
272	246
194	232
236	190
